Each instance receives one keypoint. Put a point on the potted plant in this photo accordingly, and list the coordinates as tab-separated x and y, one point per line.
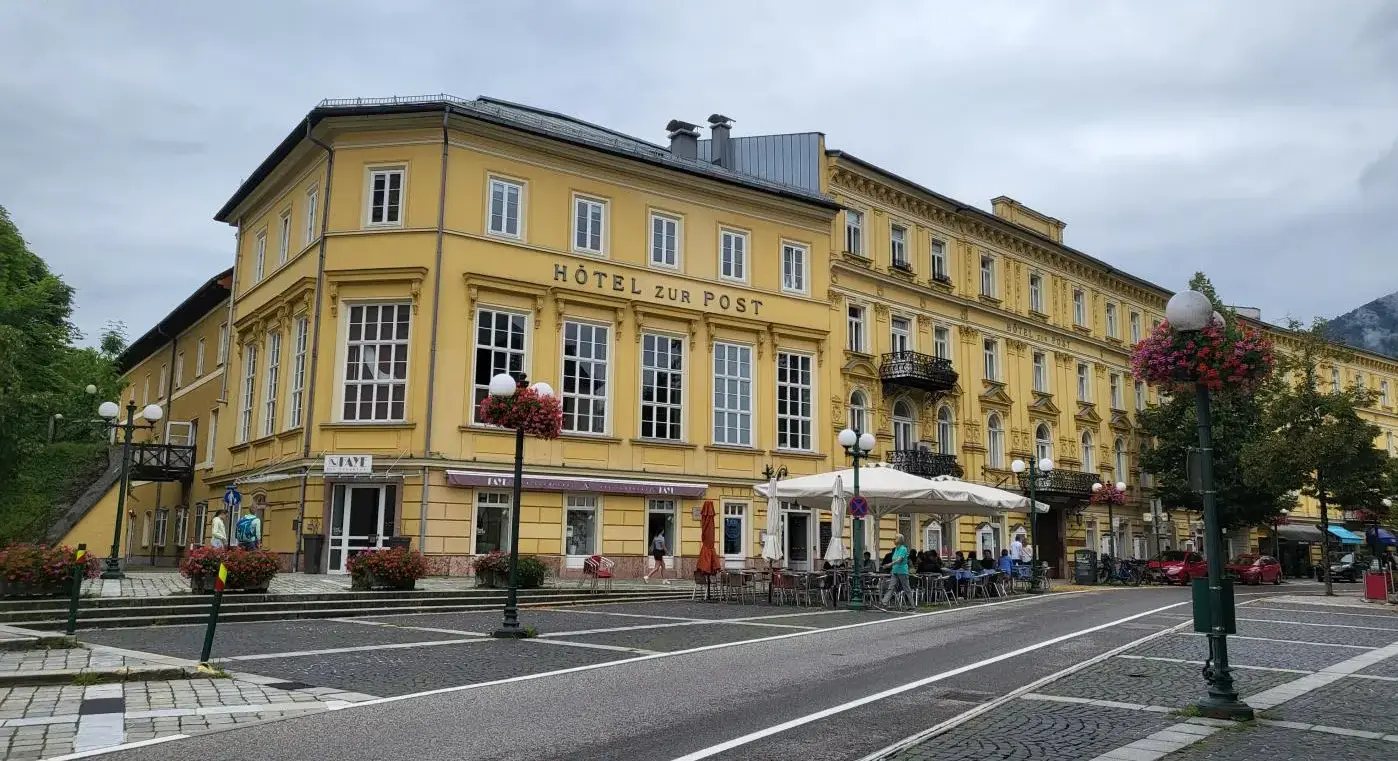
1221	357
41	570
248	570
394	568
492	569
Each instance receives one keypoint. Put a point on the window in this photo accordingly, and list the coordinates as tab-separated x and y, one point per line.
988	540
504	208
386	197
181	526
199	359
201	521
904	427
259	264
376	362
222	343
160	382
274	367
733	255
146	529
499	349
992	359
298	372
1036	293
662	379
249	383
946	431
940	267
580	525
794	408
995	441
1111	320
1140	396
1135	327
1084	383
941	342
793	268
854	326
1043	442
732	394
987	276
898	246
1114	381
1087	460
1041	374
585	377
312	209
589	219
932	537
284	237
1383	392
734	529
179	370
902	332
664	240
1358	380
145	390
212	442
858	412
162	523
854	232
1390	443
1079	308
1334	380
1119	453
492	521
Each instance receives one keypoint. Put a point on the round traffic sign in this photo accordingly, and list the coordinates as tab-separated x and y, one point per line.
858	506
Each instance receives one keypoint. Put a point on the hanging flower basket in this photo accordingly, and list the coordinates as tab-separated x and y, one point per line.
1218	357
538	416
1108	495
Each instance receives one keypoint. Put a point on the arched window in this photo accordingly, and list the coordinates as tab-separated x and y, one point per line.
946	431
988	540
903	437
1087	461
1119	450
1043	442
995	441
932	537
858	412
1017	533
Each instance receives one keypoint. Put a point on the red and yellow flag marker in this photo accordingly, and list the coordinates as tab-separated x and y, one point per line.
80	555
222	577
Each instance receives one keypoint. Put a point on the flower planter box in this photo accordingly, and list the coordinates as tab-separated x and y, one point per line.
493	580
369	580
36	589
204	585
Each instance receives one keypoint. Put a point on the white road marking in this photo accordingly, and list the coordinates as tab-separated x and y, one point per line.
356	649
1100	703
1284	641
1282	693
388	625
1374	677
1388	616
1200	663
590	645
1328	626
115	748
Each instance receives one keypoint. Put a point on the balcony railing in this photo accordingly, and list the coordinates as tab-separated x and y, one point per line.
912	369
1066	487
161	462
919	462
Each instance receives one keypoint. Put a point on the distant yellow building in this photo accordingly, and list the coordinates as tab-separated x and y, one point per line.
705	309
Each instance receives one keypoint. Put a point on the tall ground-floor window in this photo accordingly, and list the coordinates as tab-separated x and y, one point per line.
660	519
580	528
734	532
492	521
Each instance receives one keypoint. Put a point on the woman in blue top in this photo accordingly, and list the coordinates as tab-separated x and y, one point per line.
899	569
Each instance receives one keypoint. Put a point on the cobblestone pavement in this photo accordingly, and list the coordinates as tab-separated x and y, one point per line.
1024	730
1174	685
1257	743
251	638
1250	652
1350	703
162	583
61	659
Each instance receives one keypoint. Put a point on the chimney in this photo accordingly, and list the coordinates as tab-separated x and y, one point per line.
720	126
684	139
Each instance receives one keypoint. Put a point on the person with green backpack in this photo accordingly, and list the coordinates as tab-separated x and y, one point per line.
248	531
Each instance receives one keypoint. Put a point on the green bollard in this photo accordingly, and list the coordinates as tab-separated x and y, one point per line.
79	564
213	618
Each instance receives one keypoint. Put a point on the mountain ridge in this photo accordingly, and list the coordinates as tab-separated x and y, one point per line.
1371	327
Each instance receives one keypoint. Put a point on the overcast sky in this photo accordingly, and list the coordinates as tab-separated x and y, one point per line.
1257	141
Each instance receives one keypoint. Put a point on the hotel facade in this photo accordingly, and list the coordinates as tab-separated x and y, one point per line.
706	309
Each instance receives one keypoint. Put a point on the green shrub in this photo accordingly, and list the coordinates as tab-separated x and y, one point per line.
532	572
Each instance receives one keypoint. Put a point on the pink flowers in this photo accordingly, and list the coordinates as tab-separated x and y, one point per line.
539	416
1217	357
1108	495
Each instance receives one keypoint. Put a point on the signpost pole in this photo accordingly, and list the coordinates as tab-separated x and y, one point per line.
79	565
213	618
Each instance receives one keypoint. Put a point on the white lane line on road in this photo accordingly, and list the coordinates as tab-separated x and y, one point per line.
1375	677
590	645
115	748
723	646
1285	641
388	625
356	649
1200	663
1328	626
775	729
1090	702
1387	617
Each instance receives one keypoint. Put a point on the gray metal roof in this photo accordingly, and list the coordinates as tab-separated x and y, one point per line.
791	159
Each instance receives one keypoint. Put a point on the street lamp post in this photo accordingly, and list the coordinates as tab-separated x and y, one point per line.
111	413
858	446
1276	543
1036	469
1111	518
1190	312
504	385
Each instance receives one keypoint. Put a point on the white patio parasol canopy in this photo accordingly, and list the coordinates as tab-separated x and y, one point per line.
889	490
772	542
967	498
836	552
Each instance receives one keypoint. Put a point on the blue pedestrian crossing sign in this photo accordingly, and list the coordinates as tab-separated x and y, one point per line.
232	498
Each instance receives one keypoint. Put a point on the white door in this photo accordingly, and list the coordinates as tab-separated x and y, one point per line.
735	532
797	548
362	518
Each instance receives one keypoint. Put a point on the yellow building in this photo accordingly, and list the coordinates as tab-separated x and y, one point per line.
706	309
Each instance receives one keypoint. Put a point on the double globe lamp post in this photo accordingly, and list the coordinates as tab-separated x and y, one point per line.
150	415
859	446
1036	470
1111	518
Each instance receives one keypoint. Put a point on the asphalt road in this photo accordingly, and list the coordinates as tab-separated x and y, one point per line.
785	694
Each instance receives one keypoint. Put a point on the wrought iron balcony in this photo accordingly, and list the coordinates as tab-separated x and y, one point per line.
161	462
920	462
912	369
1064	487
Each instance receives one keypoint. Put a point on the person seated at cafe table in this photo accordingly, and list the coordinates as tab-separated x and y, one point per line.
1006	564
868	566
958	562
928	562
887	560
988	561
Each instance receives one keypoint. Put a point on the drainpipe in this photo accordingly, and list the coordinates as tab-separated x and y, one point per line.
309	417
432	353
232	294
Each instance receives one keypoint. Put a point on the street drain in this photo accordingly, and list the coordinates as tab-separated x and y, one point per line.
1138	676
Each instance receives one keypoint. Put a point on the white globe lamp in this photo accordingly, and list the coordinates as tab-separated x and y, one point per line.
1189	310
153	413
1046	464
108	410
867	442
847	438
542	389
1017	466
502	385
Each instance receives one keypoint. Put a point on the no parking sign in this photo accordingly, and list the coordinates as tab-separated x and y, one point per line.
858	506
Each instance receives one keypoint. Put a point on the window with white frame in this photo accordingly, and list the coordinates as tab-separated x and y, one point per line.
199	359
179	370
733	394
211	443
794	262
904	427
940	267
1043	442
664	240
1111	320
1088	463
1084	382
376	362
249	392
854	232
946	430
162	524
181	526
269	391
988	275
1359	380
1114	385
160	382
1383	392
222	343
1389	442
1041	373
492	521
995	441
1036	293
259	262
898	246
499	349
734	530
145	390
733	255
201	521
858	412
1334	380
988	540
505	200
991	350
146	526
902	334
284	237
854	328
932	537
941	342
1079	308
585	377
662	381
1140	396
589	222
312	212
1119	453
386	197
298	372
1135	327
794	409
580	525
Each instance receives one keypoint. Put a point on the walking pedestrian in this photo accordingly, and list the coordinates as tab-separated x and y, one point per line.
248	532
220	533
658	550
899	570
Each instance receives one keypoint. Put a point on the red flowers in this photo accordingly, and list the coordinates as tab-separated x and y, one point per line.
247	569
539	416
1220	358
397	567
1108	495
41	568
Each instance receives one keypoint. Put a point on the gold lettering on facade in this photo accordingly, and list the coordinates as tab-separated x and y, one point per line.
630	285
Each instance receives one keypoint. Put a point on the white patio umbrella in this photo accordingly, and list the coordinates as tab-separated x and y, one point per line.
953	496
884	487
772	543
836	552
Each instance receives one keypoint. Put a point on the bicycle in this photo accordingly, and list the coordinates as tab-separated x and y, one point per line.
1127	572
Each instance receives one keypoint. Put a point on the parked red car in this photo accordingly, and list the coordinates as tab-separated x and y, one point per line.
1255	569
1179	566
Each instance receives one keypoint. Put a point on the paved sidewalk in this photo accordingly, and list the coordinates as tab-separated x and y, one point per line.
163	583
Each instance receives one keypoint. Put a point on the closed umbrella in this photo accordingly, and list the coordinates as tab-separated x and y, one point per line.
772	544
836	551
708	554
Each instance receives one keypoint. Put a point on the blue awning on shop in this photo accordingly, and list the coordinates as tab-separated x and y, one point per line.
1385	536
1345	535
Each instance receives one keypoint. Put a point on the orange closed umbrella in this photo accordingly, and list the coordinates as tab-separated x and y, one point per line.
708	555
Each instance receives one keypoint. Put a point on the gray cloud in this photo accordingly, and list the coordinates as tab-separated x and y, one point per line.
1254	140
